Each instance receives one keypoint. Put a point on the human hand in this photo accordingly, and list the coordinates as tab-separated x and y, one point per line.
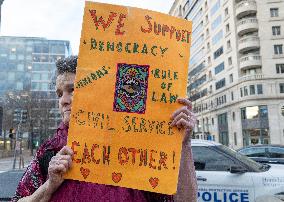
184	118
58	166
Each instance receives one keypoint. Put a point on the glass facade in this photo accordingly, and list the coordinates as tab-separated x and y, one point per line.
21	57
27	67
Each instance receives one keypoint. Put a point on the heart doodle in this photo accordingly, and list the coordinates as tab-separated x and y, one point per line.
85	172
154	182
116	177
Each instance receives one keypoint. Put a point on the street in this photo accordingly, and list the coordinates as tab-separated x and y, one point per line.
8	183
9	178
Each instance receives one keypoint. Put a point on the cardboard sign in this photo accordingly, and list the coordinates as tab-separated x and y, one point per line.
132	67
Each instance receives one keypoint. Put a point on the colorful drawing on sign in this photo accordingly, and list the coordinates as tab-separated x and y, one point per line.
131	88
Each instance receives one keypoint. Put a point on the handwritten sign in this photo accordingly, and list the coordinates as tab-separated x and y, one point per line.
132	68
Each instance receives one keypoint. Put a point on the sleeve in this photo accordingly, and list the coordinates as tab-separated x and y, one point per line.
31	180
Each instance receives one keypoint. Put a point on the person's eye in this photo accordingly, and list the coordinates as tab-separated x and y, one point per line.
71	90
59	95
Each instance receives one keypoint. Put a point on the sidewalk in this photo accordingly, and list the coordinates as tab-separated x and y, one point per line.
6	164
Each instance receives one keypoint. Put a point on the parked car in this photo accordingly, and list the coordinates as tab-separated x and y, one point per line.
271	154
224	175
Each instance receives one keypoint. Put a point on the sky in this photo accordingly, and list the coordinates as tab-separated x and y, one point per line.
58	19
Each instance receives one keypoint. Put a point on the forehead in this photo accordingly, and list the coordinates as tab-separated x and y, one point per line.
64	79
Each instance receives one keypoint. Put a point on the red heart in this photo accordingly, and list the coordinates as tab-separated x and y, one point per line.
116	177
154	182
85	172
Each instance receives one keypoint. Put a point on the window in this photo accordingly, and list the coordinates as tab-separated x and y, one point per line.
207	32
11	76
231	78
44	86
28	57
20	67
255	152
232	96
206	159
275	152
186	6
36	76
281	85
280	68
35	86
278	49
213	121
220	83
259	89
44	76
216	22
197	43
252	89
197	30
209	60
245	91
19	86
217	37
235	138
227	28
216	6
241	90
230	62
208	46
276	30
274	12
12	57
263	112
219	68
252	112
226	11
21	57
29	49
229	44
218	52
197	83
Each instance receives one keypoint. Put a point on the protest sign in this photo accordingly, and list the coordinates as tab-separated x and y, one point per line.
132	67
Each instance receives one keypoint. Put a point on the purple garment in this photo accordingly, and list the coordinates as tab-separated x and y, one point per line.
72	190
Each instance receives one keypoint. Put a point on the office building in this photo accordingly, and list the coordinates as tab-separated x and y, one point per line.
27	70
236	70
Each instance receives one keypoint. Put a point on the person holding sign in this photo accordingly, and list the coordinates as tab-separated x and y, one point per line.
44	177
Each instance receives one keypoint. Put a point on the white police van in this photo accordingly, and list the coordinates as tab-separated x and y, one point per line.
224	175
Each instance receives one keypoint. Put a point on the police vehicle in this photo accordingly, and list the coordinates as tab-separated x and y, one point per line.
223	175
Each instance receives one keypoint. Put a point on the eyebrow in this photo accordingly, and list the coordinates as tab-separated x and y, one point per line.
71	85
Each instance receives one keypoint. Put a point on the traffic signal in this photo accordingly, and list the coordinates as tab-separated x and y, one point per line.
12	133
20	116
24	116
